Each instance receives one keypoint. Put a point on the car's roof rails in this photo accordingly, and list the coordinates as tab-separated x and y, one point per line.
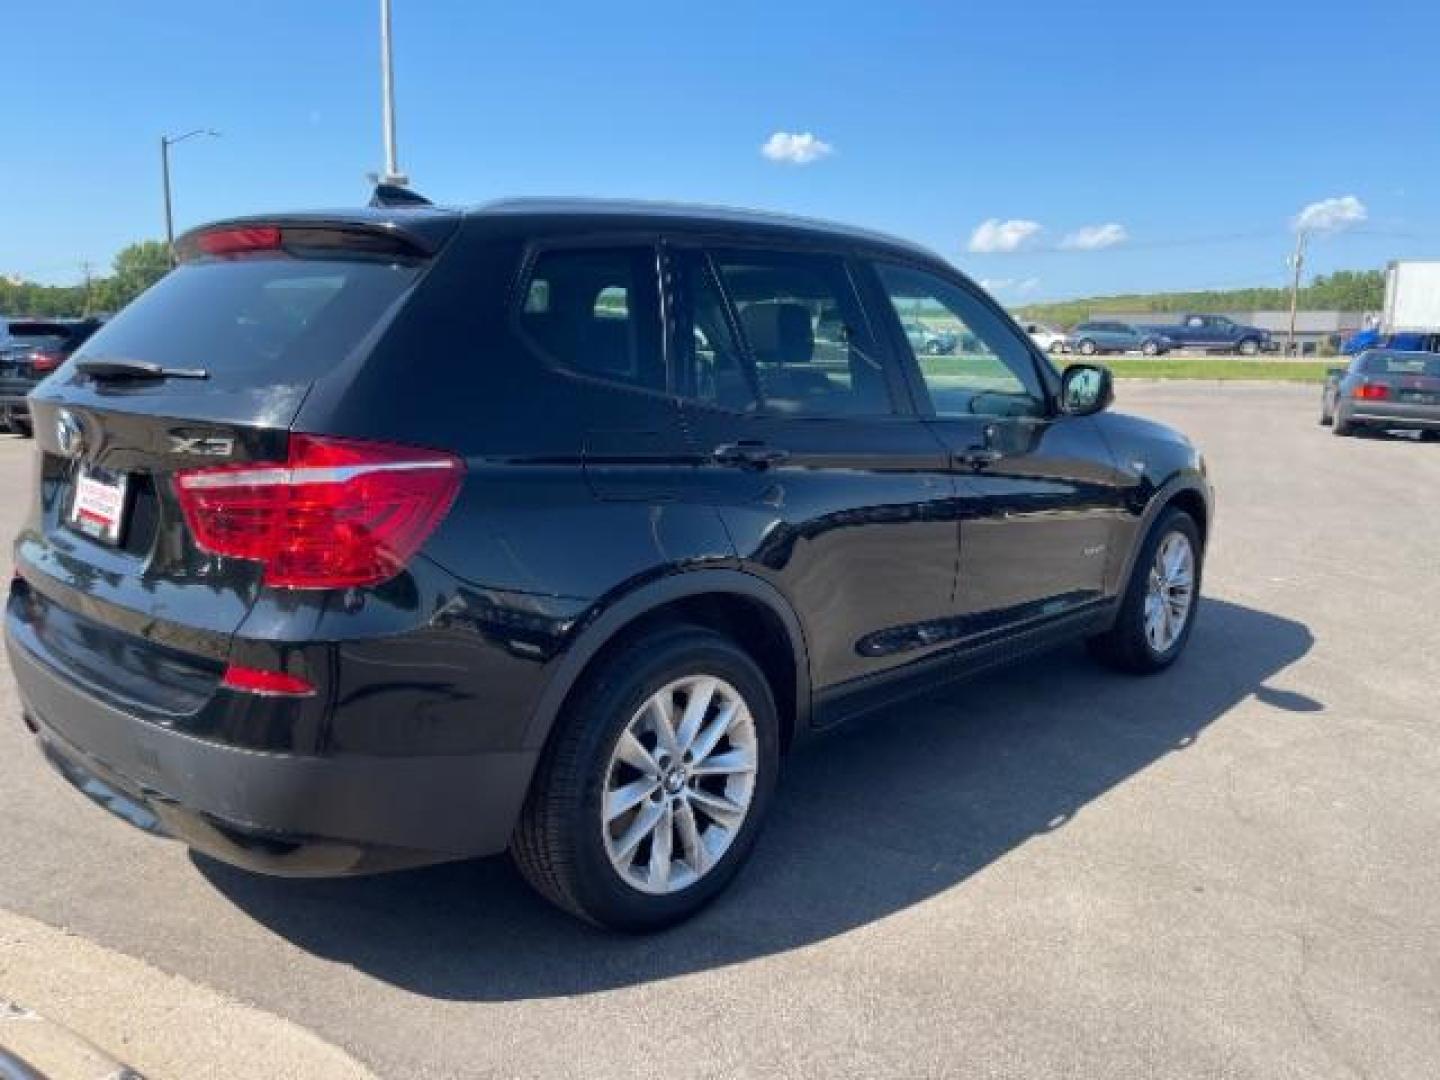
395	195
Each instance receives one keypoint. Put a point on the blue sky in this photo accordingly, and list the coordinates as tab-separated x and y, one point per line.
1185	138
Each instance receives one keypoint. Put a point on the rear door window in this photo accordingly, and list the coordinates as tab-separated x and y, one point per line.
804	334
254	320
595	312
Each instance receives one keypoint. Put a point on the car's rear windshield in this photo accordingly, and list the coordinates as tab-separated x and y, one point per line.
269	319
1390	364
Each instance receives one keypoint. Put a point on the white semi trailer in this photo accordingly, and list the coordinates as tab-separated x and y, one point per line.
1412	298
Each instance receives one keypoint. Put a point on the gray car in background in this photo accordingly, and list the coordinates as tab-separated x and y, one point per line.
1384	389
1094	337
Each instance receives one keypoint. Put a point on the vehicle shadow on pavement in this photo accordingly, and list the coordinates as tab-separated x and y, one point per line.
879	816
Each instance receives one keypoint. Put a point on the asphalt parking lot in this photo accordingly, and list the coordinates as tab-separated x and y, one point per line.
1227	871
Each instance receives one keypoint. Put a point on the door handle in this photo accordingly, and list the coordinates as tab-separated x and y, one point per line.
749	455
976	457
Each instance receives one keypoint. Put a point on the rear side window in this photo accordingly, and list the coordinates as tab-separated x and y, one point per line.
595	311
803	330
254	320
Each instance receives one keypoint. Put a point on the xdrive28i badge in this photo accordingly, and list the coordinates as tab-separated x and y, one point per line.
69	435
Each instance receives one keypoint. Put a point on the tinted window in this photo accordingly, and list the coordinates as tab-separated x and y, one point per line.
990	370
254	320
804	335
1391	364
711	363
595	311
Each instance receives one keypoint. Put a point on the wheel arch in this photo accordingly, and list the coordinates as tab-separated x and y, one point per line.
742	606
1186	491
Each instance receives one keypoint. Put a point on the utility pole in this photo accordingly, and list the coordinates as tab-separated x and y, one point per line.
167	141
85	268
392	173
1297	261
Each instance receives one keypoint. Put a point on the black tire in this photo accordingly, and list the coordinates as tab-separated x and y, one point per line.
1430	436
558	844
1151	348
1124	646
1343	427
23	428
934	348
1087	348
1055	348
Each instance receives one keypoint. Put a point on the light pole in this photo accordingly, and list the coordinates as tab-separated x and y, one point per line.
167	141
392	173
1297	261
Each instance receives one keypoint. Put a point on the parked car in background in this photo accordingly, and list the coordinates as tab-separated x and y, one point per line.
1047	337
286	598
928	340
1090	338
1215	333
30	349
1384	389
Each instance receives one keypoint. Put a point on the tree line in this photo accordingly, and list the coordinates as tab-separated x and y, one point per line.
134	270
1344	290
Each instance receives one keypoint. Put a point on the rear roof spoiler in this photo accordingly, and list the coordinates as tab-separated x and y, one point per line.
414	229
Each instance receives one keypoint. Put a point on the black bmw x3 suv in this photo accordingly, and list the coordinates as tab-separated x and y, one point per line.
382	537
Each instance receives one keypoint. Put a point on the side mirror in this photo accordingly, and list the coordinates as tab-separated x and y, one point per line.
1086	389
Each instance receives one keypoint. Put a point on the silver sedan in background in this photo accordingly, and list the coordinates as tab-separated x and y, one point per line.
1384	389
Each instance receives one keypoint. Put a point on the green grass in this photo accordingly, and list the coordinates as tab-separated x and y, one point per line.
982	369
1224	369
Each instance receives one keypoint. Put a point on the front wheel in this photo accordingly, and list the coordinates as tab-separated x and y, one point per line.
1158	609
652	792
1088	348
1151	348
1249	347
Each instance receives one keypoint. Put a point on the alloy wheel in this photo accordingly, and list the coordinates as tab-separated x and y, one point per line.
679	784
1170	592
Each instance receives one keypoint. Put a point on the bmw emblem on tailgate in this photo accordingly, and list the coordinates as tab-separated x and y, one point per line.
69	434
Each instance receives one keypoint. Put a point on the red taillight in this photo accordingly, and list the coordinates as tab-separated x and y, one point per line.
250	680
42	363
1371	392
234	241
335	513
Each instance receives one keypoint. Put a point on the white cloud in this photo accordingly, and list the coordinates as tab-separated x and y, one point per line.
796	149
1018	286
1096	237
1331	215
993	235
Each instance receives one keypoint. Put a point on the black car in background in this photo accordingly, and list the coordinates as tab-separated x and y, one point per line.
374	538
30	349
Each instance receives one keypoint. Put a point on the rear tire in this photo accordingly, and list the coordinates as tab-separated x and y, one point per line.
1151	348
1430	436
1087	348
23	428
1249	347
1343	427
575	848
1129	645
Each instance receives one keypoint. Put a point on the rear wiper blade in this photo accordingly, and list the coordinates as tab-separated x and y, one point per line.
136	369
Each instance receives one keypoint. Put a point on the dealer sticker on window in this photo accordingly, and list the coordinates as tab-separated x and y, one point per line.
98	509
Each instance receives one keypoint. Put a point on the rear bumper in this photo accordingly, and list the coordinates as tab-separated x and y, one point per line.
1397	415
276	813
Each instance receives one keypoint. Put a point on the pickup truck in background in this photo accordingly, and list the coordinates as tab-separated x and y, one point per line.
1216	333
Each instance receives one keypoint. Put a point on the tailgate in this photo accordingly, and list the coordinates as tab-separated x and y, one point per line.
106	543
